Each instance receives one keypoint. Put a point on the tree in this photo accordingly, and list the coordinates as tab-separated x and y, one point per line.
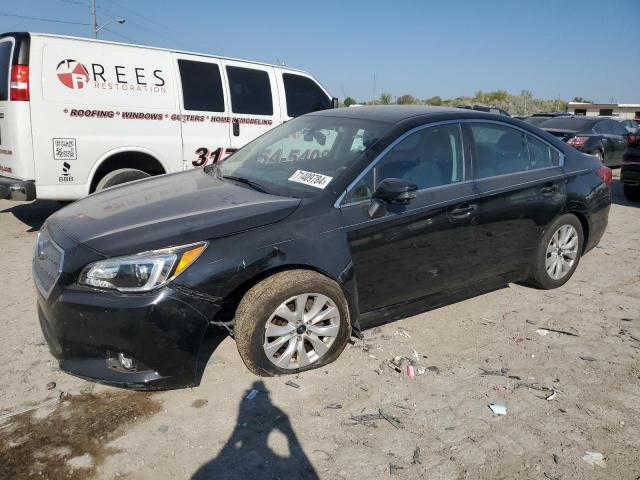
349	101
384	99
581	100
435	101
406	100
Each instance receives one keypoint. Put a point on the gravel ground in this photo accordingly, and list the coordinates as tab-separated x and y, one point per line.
356	418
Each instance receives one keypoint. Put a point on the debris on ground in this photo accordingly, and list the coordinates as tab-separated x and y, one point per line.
410	371
292	384
392	420
416	456
421	370
587	358
334	406
252	394
498	409
542	332
503	372
434	369
562	332
402	332
556	459
552	396
393	469
381	415
594	458
51	385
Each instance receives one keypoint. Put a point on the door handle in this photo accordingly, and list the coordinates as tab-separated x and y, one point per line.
464	210
549	189
236	127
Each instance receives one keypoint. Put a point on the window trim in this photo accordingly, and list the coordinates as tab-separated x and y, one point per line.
461	122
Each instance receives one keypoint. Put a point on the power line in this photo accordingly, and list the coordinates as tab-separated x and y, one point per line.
75	2
38	19
119	35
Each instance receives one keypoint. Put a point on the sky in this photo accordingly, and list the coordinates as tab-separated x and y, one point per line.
554	48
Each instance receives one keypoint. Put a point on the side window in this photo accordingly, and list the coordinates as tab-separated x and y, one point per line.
201	86
430	157
250	91
602	128
303	95
542	155
499	150
363	190
618	128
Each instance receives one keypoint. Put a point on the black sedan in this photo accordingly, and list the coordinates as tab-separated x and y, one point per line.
331	223
602	137
630	171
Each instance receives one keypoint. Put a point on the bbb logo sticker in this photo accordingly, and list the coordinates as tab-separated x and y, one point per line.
72	74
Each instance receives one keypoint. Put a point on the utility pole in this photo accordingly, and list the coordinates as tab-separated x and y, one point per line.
95	19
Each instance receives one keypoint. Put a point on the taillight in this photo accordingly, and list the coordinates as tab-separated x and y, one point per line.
577	141
19	85
605	174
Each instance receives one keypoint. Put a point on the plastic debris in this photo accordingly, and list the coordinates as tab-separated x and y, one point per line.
498	409
393	469
563	332
552	396
542	332
594	458
51	385
410	371
421	370
292	384
252	394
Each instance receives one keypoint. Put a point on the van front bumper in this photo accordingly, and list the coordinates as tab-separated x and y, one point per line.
19	190
145	342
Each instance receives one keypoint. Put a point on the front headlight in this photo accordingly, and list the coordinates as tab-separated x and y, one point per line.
142	272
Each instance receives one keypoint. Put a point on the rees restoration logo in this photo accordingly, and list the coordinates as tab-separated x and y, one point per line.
72	74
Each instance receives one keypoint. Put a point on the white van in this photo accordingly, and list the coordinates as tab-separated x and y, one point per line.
80	115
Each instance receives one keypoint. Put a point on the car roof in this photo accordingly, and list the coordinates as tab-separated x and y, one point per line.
397	113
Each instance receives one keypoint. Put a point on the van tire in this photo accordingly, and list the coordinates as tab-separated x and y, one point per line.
259	303
120	176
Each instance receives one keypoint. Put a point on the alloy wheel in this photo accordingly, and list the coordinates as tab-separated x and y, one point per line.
301	330
561	252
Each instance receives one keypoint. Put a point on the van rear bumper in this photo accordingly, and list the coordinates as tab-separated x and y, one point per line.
14	189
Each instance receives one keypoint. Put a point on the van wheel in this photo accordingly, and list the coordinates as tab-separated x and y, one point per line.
120	176
558	253
291	322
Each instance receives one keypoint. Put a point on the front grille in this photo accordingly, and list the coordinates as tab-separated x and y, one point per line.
47	263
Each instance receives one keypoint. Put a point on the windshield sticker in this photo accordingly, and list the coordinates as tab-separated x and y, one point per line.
309	178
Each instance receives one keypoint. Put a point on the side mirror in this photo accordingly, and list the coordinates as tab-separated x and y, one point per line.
395	191
335	103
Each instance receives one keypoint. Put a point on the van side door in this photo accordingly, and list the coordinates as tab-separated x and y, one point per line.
204	110
253	94
302	94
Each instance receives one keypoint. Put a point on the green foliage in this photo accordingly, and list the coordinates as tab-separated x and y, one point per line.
581	100
349	101
407	100
435	101
384	99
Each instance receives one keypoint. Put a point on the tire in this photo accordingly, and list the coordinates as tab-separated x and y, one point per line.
599	155
120	176
540	276
632	193
257	311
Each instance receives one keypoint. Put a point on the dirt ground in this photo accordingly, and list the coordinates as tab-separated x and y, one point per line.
356	418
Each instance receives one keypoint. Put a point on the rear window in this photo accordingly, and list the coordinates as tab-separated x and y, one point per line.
250	91
201	86
303	95
5	66
574	124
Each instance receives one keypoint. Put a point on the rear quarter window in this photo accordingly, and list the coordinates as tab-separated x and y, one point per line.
5	67
303	95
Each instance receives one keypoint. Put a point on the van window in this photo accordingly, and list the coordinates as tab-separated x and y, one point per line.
5	66
250	91
201	86
303	95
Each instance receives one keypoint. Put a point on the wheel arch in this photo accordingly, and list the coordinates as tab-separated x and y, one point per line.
126	157
585	226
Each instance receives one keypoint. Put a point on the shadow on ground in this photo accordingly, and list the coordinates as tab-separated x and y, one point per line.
35	213
247	454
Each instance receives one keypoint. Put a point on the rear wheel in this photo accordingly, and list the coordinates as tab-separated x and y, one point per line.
632	193
290	322
120	176
600	155
558	253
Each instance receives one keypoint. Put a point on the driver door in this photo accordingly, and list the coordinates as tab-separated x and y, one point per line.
426	246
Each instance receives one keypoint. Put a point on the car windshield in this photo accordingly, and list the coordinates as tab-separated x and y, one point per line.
568	123
302	157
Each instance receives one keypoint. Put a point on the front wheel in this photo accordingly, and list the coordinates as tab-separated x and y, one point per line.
120	176
558	253
290	322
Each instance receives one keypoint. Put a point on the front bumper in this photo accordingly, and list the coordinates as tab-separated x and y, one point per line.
162	332
20	190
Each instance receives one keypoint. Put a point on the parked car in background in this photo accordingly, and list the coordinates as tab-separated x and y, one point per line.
538	118
80	115
482	108
630	171
331	223
599	136
631	125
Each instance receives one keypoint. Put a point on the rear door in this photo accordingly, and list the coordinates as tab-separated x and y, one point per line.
254	100
620	139
204	110
521	189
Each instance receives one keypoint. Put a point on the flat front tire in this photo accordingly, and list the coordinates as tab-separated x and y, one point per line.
290	322
558	253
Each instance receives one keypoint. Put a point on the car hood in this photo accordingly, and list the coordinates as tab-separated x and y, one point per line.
168	210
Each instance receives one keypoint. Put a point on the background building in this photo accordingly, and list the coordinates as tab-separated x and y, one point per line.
626	110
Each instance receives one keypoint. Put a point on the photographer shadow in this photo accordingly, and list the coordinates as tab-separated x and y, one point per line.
247	455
